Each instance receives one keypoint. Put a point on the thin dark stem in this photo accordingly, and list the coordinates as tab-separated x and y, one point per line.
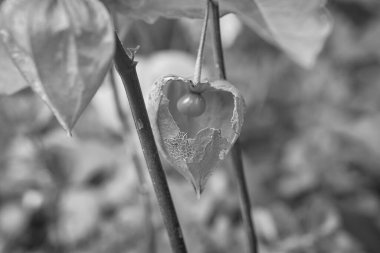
218	49
145	193
127	70
150	246
119	110
198	63
236	156
245	203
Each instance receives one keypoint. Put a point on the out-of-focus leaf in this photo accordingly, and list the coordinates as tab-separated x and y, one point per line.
64	48
299	27
20	113
12	220
11	80
151	10
80	213
362	227
24	112
231	27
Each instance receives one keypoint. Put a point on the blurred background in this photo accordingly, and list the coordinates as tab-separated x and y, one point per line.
311	149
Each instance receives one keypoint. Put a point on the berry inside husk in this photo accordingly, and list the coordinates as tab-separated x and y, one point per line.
191	104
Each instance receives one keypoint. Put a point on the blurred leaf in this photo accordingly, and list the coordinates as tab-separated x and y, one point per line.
299	27
12	220
362	227
71	45
24	112
11	80
79	216
10	50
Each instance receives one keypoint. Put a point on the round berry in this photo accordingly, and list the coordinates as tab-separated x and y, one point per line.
191	104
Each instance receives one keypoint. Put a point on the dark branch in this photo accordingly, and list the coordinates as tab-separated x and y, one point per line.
127	70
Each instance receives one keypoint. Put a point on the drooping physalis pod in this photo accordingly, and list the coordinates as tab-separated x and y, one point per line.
194	145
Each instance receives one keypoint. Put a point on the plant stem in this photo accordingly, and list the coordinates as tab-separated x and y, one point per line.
198	63
150	246
119	110
127	70
236	155
245	203
218	49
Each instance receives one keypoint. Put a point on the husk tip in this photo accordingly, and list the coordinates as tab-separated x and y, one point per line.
198	190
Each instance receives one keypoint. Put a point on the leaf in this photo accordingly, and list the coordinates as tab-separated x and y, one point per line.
68	47
14	15
11	79
24	112
299	27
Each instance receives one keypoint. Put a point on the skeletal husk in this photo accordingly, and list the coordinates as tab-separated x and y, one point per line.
195	145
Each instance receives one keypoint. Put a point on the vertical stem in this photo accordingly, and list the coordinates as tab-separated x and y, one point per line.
198	63
245	203
218	49
127	70
236	149
150	246
119	110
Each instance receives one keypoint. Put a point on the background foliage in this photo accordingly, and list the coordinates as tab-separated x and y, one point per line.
311	146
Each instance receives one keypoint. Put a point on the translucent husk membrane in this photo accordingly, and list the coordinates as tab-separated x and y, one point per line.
194	145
